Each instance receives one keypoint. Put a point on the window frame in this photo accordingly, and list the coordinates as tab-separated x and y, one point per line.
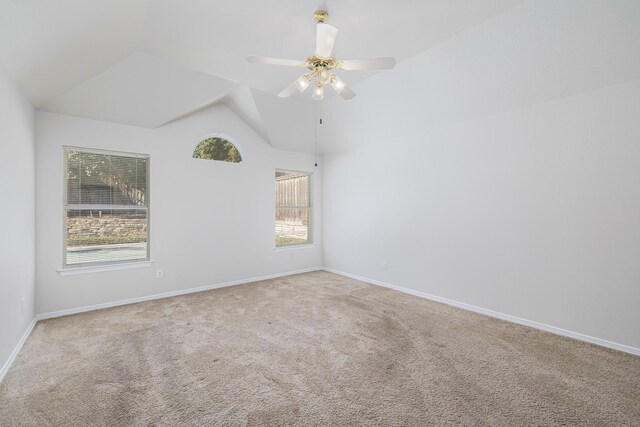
310	211
103	265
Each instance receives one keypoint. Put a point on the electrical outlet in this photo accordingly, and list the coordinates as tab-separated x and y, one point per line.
159	273
269	259
22	306
384	265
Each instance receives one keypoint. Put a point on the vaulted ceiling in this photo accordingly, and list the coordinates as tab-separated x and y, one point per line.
148	62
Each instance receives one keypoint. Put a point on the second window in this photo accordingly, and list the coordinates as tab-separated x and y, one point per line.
294	209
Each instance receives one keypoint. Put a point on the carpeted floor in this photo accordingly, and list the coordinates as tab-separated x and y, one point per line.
316	349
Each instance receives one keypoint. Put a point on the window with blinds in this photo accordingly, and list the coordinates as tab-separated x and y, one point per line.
106	207
293	208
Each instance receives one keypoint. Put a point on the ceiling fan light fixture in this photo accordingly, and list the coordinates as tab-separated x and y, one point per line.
303	82
318	92
337	83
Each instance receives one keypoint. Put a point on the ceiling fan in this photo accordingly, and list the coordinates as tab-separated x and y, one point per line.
321	64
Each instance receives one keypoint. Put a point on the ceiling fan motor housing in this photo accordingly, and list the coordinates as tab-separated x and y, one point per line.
318	63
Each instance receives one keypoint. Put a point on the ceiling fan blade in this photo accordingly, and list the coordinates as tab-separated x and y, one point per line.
325	39
367	64
346	93
289	90
275	61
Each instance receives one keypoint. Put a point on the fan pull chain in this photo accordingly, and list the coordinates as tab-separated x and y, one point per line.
316	143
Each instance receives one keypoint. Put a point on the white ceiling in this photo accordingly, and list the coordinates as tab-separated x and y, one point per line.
134	91
148	62
536	52
51	46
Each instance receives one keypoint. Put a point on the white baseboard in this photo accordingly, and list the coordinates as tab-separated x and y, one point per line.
498	315
86	308
14	354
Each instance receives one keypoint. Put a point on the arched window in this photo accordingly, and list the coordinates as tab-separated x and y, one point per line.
217	148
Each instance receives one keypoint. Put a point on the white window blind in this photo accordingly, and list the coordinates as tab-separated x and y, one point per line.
293	208
106	207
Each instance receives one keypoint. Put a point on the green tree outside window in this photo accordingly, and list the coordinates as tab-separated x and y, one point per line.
217	149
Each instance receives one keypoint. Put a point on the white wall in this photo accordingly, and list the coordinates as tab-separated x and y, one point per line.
211	222
17	215
469	194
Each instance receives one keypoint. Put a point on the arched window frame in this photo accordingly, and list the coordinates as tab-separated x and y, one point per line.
228	138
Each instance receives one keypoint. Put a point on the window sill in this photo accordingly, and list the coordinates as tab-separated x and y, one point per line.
294	247
72	271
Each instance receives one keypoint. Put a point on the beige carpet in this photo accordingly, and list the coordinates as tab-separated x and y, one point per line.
315	349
